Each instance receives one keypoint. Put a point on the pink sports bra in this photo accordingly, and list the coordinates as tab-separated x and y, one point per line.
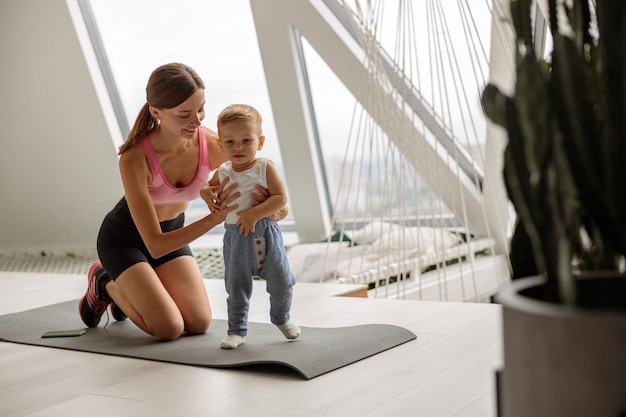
164	193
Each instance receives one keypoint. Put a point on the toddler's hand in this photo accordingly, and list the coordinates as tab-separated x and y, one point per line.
245	223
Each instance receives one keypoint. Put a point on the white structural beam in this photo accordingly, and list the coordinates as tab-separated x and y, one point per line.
500	213
280	51
279	24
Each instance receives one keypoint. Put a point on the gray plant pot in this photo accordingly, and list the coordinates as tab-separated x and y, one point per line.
562	361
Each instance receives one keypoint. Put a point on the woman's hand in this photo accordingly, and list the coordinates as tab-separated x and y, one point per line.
218	197
220	214
261	195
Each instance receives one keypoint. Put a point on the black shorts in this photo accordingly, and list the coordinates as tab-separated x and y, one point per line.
120	245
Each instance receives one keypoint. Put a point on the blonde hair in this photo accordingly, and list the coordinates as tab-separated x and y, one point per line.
169	85
239	112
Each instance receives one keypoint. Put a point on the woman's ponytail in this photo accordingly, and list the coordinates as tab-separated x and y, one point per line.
143	125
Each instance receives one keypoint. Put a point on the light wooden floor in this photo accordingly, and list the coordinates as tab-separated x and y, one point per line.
447	371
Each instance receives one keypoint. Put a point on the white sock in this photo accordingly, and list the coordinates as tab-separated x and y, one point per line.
290	330
232	341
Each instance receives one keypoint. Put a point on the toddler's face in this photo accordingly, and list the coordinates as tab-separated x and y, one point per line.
240	140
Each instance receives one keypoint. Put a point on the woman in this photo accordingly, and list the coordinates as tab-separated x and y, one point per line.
146	269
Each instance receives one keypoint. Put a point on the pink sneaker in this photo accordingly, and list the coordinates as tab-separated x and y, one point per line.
93	305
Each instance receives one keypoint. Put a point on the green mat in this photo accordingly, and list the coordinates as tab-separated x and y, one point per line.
316	352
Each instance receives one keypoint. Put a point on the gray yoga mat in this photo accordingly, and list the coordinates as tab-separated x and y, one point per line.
316	352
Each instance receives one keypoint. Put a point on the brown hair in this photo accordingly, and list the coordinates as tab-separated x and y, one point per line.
238	112
168	86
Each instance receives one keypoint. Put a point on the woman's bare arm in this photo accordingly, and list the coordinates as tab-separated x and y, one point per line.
135	175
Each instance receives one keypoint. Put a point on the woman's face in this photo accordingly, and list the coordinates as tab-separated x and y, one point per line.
185	118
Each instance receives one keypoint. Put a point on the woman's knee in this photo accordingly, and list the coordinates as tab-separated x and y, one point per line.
167	330
198	325
171	329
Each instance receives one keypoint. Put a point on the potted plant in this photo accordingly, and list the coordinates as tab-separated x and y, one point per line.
564	329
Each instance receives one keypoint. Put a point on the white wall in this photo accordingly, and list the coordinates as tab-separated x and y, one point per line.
58	165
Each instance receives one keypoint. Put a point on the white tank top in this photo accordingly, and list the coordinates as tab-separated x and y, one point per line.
246	181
